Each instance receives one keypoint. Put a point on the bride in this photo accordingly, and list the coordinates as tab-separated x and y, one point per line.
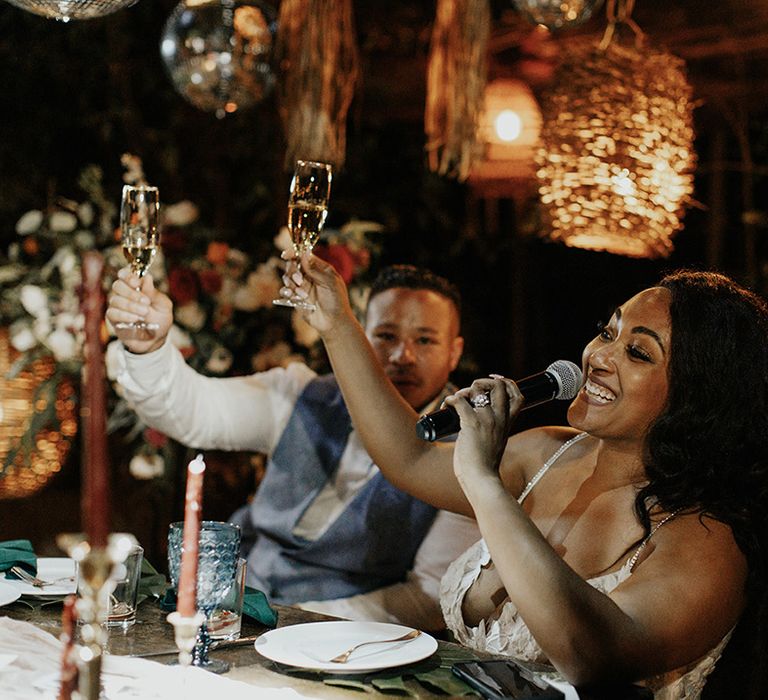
625	546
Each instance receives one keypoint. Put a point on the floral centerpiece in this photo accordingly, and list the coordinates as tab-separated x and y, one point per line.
224	320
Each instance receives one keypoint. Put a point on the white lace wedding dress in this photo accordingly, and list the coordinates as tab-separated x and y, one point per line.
506	632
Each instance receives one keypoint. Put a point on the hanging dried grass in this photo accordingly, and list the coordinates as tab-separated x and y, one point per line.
318	61
456	77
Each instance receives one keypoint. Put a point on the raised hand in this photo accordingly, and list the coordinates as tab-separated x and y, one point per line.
319	283
136	299
487	410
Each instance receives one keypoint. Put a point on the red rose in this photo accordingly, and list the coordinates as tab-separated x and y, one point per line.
173	241
210	281
339	256
183	285
155	438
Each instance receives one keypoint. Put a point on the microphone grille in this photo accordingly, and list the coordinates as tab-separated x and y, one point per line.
568	377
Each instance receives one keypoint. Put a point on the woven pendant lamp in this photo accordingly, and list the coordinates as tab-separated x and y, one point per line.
615	169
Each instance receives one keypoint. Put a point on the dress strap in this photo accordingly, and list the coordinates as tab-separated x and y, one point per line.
643	544
537	476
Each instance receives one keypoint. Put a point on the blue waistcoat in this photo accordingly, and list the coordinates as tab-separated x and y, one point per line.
371	544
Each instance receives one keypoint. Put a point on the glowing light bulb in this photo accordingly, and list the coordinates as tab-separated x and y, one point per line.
508	125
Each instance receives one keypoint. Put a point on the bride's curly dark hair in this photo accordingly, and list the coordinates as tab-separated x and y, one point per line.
707	452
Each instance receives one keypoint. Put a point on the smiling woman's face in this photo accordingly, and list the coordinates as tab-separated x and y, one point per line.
626	370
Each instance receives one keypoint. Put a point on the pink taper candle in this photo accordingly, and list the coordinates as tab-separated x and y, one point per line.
93	407
189	551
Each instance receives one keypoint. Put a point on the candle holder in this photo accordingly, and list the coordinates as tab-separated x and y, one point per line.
95	569
185	631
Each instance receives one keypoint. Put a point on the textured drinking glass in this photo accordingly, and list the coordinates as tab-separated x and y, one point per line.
225	621
219	550
307	209
122	600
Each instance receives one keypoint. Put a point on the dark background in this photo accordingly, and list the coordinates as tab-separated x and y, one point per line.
86	92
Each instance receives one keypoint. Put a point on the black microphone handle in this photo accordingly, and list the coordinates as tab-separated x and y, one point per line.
535	389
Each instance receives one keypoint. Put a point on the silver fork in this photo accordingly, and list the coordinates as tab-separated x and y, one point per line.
25	576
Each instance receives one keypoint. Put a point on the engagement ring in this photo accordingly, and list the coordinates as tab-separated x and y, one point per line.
481	401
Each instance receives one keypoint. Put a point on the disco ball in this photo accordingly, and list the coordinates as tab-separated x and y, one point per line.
218	52
65	10
557	14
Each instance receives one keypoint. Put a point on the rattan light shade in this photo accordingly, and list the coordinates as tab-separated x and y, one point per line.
616	165
36	455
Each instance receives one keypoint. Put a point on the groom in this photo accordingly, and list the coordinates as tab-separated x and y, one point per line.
325	529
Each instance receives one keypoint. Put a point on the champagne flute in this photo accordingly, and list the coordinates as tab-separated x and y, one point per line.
140	236
307	210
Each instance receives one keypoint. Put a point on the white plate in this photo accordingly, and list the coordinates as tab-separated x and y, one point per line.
8	594
310	645
49	569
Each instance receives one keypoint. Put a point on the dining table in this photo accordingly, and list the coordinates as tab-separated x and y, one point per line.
151	637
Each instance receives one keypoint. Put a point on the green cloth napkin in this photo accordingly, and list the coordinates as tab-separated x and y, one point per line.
151	584
255	606
18	553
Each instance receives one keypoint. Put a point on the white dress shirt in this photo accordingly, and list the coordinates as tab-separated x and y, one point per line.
250	413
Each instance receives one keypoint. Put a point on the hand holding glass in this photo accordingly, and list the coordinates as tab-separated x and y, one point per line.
140	236
307	210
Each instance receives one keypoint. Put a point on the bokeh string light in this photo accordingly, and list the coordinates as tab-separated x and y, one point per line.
34	399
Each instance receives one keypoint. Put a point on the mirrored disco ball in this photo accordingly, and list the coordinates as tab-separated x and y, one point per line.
557	14
218	52
65	10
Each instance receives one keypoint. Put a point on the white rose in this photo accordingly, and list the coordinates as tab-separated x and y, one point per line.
29	222
41	327
220	360
34	300
10	273
84	240
260	288
85	213
22	337
146	466
179	338
237	257
181	214
62	344
304	333
62	222
283	240
67	261
191	315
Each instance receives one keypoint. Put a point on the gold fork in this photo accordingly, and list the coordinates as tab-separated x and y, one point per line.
344	656
37	582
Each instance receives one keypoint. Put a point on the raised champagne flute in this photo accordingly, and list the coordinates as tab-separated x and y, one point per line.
307	210
140	237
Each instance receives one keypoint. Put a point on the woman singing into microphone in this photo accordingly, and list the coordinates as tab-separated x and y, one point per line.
626	546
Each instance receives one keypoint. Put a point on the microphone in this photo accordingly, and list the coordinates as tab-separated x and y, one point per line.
561	380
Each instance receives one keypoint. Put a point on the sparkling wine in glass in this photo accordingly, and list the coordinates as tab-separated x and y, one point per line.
307	210
140	238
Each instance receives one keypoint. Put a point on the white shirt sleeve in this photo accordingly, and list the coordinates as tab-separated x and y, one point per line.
415	601
230	413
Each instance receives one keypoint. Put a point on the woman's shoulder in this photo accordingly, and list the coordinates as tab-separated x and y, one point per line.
526	452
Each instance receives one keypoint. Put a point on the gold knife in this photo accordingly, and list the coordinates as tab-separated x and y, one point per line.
215	644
